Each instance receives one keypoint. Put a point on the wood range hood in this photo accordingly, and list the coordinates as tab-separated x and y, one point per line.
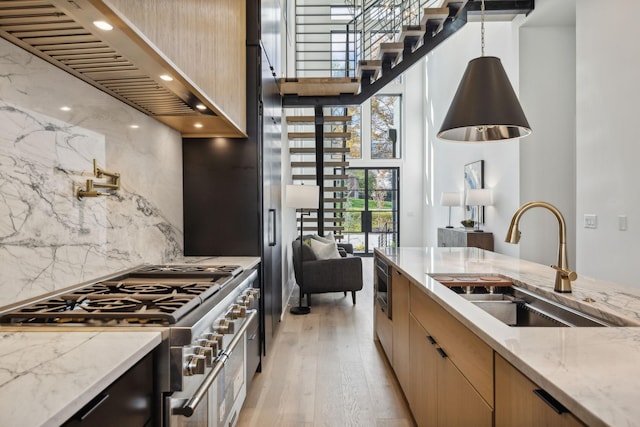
121	62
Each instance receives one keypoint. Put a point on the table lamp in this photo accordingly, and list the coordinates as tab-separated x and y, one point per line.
450	198
479	197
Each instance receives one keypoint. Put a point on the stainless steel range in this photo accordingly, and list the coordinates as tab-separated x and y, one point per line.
209	318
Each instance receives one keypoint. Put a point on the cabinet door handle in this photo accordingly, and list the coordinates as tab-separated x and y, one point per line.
272	227
549	400
430	339
441	352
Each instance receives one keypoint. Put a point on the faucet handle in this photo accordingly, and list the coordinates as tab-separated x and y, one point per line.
566	274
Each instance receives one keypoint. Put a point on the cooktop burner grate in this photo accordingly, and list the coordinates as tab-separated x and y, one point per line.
133	298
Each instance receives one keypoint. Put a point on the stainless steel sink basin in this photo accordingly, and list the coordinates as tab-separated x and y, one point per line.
520	307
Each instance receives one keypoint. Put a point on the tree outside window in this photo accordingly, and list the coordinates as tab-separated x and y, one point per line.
385	126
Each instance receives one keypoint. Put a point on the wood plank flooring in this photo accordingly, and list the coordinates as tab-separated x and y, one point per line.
324	369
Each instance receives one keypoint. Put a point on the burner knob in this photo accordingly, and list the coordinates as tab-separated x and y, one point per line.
238	311
254	292
195	365
207	352
246	300
215	338
208	344
224	326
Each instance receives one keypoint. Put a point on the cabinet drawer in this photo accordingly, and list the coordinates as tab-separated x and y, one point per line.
384	331
469	353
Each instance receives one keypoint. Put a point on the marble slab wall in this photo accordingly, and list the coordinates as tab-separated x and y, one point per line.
49	239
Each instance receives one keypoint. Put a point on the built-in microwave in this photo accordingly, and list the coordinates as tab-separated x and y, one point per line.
382	286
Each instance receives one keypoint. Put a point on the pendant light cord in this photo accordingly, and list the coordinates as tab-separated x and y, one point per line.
482	28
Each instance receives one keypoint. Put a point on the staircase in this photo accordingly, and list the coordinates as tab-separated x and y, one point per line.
388	37
384	39
329	160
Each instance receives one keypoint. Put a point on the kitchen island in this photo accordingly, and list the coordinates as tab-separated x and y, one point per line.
590	371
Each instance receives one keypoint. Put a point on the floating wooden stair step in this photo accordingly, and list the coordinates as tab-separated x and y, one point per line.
312	119
333	210
335	189
313	176
335	199
390	52
313	164
369	70
319	86
411	34
329	220
433	19
312	150
312	135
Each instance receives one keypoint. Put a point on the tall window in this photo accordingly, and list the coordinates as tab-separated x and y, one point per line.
385	126
354	143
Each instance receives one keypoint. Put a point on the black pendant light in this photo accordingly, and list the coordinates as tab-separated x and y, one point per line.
485	107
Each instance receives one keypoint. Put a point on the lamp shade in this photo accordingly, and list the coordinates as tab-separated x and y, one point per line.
450	198
480	197
302	196
485	107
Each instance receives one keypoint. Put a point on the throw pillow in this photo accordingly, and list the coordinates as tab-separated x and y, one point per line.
328	238
324	250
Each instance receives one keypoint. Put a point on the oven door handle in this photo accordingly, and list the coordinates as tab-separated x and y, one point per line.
190	407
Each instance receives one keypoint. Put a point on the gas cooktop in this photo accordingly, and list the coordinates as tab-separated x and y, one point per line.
156	294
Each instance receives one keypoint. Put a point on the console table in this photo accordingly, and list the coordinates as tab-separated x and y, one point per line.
464	237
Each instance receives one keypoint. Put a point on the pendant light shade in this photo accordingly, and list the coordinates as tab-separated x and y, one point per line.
485	107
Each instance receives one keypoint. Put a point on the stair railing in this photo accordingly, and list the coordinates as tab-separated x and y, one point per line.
381	21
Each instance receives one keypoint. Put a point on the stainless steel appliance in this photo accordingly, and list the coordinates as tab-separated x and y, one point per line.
382	286
203	311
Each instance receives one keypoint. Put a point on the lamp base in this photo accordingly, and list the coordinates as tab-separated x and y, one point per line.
449	226
479	231
300	310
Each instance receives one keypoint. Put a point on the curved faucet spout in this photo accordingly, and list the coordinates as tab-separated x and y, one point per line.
564	275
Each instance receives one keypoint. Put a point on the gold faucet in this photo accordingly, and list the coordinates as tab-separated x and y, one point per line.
564	276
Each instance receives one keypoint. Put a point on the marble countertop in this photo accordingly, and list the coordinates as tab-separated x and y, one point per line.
246	262
591	371
46	377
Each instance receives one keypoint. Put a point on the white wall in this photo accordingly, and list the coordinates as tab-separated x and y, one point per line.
444	161
607	64
548	155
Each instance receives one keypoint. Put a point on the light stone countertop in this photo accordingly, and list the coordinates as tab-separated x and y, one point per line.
592	371
46	377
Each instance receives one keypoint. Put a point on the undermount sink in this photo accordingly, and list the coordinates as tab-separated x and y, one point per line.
514	305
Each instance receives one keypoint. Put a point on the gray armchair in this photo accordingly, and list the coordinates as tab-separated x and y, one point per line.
328	275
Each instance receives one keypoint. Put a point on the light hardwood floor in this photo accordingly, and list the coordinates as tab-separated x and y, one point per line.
324	369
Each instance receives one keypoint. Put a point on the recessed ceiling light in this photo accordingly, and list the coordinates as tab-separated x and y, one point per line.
103	25
201	107
166	77
65	108
197	125
134	126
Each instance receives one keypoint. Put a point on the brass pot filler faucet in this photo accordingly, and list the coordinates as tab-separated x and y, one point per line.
90	190
564	276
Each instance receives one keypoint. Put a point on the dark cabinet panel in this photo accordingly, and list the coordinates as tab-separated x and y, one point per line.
221	197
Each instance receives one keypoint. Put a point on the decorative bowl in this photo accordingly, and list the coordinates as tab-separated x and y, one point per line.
468	223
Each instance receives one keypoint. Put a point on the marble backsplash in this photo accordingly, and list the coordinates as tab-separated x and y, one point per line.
48	238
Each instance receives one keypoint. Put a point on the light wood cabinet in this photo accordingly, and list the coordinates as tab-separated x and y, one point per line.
519	401
400	321
384	331
451	368
468	353
439	394
423	359
462	237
